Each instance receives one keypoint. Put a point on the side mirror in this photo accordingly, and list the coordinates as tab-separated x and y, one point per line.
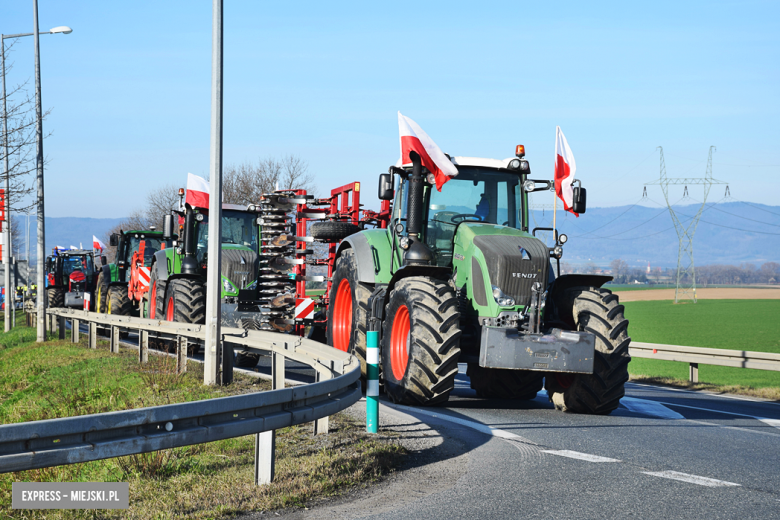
168	227
103	261
578	199
114	240
386	191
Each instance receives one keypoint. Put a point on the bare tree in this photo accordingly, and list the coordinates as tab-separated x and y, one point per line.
246	182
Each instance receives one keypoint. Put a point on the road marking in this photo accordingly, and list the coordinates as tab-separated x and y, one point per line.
748	430
703	392
651	408
580	456
765	420
692	479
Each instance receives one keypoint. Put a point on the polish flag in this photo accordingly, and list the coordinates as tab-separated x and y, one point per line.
564	170
97	244
197	191
413	138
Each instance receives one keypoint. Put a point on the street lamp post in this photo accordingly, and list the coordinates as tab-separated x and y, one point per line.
7	229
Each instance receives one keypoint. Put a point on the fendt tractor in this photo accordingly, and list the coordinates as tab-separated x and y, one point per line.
114	281
70	274
456	276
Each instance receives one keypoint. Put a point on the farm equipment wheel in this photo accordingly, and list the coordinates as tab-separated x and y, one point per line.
421	341
599	312
186	301
332	231
55	297
348	310
156	297
117	303
101	293
500	383
247	360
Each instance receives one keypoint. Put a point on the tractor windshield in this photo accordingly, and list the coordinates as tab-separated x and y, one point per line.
153	244
77	263
475	195
238	228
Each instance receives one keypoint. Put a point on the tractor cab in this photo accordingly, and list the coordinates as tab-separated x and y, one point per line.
70	274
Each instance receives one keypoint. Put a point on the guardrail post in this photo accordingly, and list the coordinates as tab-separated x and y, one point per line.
61	326
321	425
693	372
227	362
143	346
181	354
74	330
114	339
92	334
265	443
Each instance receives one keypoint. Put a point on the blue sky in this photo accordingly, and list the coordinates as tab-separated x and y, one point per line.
129	90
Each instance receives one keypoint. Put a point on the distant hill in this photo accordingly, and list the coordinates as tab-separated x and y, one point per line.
728	233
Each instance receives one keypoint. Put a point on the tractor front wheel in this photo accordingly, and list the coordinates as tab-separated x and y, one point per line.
186	301
599	312
117	302
155	307
55	297
101	293
421	341
499	383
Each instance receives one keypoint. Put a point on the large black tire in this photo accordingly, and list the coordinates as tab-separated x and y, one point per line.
599	312
155	307
332	231
421	341
348	310
185	301
101	293
498	383
55	297
117	301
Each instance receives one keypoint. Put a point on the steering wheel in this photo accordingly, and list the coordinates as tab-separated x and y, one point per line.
465	216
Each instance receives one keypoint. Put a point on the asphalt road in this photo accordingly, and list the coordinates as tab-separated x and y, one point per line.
663	454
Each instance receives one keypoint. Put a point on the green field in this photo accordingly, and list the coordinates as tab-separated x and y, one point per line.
728	324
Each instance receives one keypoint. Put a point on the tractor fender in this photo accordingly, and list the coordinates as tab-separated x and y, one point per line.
363	254
431	271
567	281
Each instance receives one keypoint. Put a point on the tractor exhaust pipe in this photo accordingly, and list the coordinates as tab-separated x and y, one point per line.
418	253
188	263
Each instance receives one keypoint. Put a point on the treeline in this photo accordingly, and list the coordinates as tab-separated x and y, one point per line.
746	273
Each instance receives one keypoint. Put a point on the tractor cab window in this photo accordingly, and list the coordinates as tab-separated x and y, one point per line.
153	244
77	263
239	228
475	195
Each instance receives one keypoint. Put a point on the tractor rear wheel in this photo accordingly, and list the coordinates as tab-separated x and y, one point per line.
117	302
421	341
186	301
155	307
55	297
348	310
332	231
498	383
599	312
101	293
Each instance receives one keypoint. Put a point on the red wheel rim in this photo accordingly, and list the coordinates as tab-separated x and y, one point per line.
399	342
169	310
342	316
153	302
565	380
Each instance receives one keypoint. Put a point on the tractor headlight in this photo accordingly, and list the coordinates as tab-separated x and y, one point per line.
404	242
227	286
557	251
199	217
502	299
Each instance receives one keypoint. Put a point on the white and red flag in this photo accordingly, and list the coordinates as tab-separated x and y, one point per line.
413	138
564	170
97	243
197	191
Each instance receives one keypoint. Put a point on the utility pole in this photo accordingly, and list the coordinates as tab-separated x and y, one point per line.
686	273
6	225
41	293
213	347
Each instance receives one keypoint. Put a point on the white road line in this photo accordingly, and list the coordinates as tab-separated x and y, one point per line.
748	430
765	420
579	456
691	479
651	408
704	392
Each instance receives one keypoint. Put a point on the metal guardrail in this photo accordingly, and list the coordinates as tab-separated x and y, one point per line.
705	356
70	440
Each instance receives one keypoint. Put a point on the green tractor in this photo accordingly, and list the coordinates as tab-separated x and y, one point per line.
458	277
112	284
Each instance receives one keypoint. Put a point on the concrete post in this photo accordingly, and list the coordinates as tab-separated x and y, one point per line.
92	335
265	443
143	346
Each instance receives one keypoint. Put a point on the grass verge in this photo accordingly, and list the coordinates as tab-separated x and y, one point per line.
213	480
728	324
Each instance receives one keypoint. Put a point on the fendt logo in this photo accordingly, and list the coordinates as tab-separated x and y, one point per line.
523	275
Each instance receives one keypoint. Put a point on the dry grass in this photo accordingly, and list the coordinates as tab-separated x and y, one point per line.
771	393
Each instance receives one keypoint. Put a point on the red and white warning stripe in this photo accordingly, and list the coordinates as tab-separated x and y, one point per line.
304	308
144	276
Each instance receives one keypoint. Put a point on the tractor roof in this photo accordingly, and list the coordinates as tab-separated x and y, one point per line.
144	231
472	161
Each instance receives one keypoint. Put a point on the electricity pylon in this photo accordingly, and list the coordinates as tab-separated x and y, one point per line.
686	273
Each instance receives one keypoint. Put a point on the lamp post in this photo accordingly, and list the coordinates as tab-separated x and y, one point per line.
7	230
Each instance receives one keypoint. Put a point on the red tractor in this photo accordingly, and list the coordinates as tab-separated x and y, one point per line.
70	277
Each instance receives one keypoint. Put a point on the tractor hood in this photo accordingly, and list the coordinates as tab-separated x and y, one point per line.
240	266
511	259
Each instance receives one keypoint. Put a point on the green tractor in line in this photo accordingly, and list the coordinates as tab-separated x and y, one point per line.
458	277
111	293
